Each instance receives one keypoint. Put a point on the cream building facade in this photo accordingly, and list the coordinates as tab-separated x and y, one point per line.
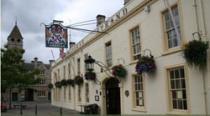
139	27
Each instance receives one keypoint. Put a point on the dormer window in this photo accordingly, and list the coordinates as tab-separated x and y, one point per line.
18	40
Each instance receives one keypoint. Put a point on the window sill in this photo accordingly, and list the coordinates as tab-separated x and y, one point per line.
140	109
172	51
179	112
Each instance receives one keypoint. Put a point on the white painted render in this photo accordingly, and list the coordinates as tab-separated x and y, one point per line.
152	37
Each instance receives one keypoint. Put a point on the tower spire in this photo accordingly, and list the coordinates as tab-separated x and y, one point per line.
16	20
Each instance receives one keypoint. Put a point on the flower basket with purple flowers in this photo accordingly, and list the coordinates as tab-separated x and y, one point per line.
146	64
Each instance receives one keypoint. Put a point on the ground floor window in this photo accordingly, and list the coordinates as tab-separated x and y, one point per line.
177	88
79	94
87	92
69	93
41	93
64	93
138	91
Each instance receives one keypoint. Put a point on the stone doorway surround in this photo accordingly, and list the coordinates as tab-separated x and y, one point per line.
103	101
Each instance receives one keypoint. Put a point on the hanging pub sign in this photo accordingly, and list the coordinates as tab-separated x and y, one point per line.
56	35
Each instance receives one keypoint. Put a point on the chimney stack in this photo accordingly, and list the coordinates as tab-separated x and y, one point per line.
35	59
126	1
71	44
51	61
100	19
35	62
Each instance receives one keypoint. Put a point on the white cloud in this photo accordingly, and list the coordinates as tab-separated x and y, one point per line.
30	13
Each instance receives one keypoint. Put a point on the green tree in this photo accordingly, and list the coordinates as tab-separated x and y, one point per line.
13	72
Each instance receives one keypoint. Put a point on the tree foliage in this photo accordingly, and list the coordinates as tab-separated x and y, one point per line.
13	72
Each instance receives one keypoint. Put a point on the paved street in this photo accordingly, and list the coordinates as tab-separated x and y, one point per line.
44	109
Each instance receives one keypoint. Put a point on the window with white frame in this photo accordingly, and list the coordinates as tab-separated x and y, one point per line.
58	94
64	72
59	74
86	65
42	81
69	93
135	43
78	66
177	88
79	94
138	91
87	92
64	93
108	49
171	36
41	93
69	70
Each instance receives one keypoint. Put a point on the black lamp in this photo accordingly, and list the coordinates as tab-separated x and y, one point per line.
90	63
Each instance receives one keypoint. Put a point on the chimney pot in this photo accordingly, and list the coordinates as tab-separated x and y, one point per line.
51	61
71	44
100	19
35	59
126	1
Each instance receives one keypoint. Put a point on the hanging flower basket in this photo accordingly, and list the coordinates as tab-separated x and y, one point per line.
90	75
58	84
195	53
64	82
50	86
119	71
145	64
70	82
78	80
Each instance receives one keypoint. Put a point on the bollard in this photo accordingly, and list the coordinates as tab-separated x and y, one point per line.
21	109
61	112
36	110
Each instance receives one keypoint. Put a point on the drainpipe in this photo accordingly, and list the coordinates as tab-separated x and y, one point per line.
196	15
195	5
203	19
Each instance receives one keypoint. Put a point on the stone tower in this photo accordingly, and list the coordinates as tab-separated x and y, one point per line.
15	39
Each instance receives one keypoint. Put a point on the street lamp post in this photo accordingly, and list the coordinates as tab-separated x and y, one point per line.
90	65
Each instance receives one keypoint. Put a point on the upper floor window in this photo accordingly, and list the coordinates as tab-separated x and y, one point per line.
135	43
86	65
58	74
170	33
64	72
69	70
108	48
78	66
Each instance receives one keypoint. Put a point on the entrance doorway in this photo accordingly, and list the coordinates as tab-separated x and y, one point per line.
29	95
14	96
112	96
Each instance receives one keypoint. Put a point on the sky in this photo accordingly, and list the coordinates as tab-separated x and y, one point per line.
30	14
